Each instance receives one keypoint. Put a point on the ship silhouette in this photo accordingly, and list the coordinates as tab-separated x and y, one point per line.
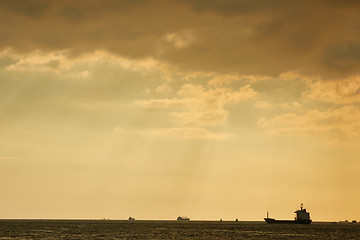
302	217
180	218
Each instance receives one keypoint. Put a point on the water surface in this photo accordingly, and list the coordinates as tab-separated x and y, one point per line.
115	229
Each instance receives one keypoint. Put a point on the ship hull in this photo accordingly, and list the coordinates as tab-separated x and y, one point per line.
274	221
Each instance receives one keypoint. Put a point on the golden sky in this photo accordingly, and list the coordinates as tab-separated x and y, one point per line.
155	109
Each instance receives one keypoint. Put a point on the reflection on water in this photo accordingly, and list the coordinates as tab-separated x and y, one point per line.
92	229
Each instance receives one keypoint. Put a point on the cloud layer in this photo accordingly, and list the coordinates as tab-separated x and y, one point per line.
339	125
245	37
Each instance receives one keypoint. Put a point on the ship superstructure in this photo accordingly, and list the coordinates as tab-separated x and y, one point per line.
302	216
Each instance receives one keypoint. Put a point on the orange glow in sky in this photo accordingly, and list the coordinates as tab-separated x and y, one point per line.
155	109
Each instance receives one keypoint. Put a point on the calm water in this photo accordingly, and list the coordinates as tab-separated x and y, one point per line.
81	229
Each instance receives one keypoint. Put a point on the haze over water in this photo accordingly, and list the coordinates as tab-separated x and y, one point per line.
159	108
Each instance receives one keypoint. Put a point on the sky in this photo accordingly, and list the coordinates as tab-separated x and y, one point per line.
155	109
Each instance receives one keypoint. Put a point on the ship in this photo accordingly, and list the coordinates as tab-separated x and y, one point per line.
302	217
183	218
131	219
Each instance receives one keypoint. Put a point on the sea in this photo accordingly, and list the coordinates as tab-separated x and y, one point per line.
117	229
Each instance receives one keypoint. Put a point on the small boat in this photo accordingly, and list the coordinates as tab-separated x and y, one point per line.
302	217
183	218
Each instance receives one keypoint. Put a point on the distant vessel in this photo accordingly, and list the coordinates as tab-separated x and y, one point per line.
183	218
131	219
302	217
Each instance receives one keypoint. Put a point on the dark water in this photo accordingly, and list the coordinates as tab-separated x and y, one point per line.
92	229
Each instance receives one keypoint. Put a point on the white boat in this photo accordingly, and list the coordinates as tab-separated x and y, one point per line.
180	218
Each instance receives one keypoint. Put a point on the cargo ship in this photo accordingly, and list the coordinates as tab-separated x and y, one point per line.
302	217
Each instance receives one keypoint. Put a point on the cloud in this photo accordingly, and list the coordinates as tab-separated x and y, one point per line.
263	105
55	83
164	88
200	118
61	61
179	40
188	133
345	91
335	124
217	96
242	37
36	61
196	105
170	103
293	105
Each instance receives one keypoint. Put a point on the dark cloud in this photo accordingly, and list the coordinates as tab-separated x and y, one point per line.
28	8
247	37
234	6
349	51
345	57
